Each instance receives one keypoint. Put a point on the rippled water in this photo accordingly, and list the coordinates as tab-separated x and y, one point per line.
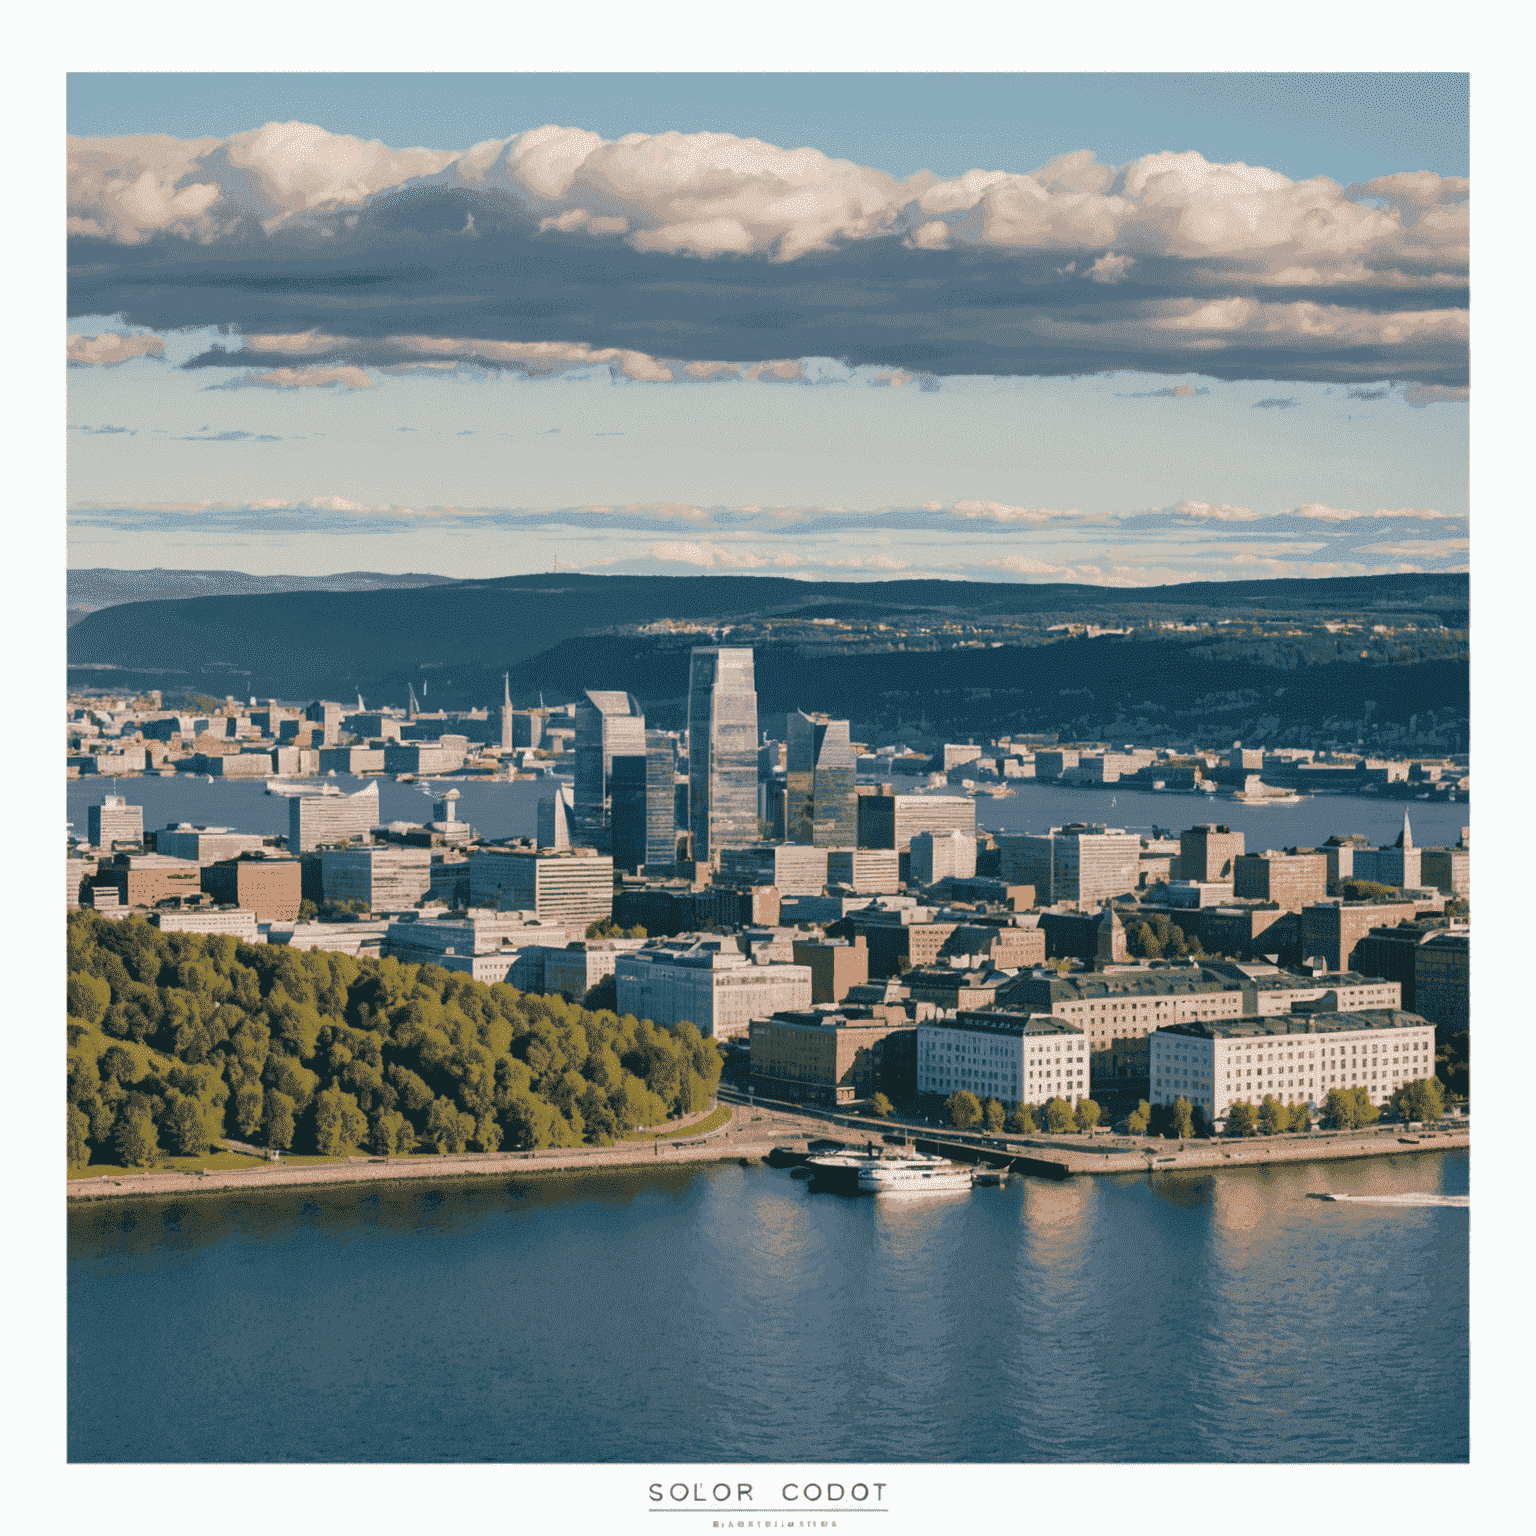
730	1314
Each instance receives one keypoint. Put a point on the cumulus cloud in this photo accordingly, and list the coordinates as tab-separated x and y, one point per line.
1217	512
300	378
1024	565
1316	512
1432	394
109	349
1170	255
711	556
1001	512
1173	392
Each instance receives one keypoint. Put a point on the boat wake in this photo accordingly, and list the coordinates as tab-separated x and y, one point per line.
1415	1199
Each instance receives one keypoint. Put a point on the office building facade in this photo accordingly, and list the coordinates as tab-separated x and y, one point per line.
720	991
316	821
609	724
574	887
1208	854
382	879
722	751
1078	864
114	821
644	820
892	821
821	805
998	1054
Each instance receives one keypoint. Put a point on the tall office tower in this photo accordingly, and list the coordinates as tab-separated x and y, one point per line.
556	824
328	717
506	712
722	750
821	805
608	725
643	816
314	820
114	821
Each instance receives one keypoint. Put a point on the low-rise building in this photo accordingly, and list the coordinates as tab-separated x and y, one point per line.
718	989
381	879
570	886
1291	880
1296	1059
269	885
114	822
821	1056
143	879
834	964
232	920
205	845
1014	1057
939	856
1334	930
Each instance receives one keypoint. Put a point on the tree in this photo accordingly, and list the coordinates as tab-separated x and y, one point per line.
133	1138
881	1106
385	1136
963	1109
1059	1116
248	1106
340	1124
1421	1100
1022	1120
1139	1119
79	1151
1242	1120
88	997
994	1115
1183	1118
277	1120
189	1131
308	911
1350	1108
1301	1117
1274	1116
1088	1114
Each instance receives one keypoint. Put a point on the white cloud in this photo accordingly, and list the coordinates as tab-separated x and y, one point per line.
1217	512
1419	549
301	378
1315	512
1001	512
109	349
710	556
714	194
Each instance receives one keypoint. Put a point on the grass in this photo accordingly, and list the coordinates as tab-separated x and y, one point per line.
215	1162
711	1122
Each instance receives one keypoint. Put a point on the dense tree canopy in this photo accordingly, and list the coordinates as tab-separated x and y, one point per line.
176	1039
963	1109
1350	1108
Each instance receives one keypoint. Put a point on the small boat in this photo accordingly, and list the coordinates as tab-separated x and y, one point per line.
210	778
1414	1199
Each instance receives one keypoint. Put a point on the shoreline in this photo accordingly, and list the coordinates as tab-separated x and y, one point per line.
752	1146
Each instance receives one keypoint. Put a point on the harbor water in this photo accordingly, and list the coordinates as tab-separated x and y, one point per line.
728	1313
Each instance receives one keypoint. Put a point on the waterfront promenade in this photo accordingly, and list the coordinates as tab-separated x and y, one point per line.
752	1133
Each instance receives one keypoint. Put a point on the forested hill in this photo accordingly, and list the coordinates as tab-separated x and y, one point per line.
300	645
176	1040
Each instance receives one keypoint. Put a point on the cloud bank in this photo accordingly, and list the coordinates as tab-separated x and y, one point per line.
716	251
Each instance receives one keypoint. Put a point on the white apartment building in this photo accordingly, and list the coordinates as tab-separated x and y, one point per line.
720	990
573	887
1296	1059
382	879
1008	1057
239	922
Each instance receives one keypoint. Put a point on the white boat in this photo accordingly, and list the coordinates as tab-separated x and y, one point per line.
1413	1199
912	1176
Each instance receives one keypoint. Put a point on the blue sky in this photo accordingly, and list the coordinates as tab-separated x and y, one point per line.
1178	355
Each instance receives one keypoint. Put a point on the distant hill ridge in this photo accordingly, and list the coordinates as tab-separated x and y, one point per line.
103	587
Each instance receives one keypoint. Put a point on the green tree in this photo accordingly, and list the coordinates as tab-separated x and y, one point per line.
188	1129
133	1138
1242	1120
385	1135
1022	1120
1421	1100
1350	1108
1274	1117
277	1120
448	1128
881	1106
1088	1114
88	997
994	1114
963	1109
1059	1116
1301	1117
1183	1118
1139	1119
340	1124
308	911
248	1109
79	1128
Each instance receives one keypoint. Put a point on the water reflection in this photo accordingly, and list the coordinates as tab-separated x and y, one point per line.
1193	1317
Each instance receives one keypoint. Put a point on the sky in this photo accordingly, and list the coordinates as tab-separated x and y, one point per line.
1120	329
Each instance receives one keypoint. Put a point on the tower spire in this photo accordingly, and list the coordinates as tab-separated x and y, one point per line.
414	708
1405	837
506	712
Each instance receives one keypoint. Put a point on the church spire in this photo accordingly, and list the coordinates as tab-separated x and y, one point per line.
1405	837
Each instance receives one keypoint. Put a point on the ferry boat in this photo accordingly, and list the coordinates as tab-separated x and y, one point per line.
912	1176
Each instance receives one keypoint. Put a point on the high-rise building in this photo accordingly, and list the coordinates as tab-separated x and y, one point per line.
1207	854
557	825
382	879
609	724
643	810
314	820
1294	880
573	887
891	821
506	712
821	804
114	821
722	750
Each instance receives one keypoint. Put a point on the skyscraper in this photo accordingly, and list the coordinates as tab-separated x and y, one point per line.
608	725
722	750
506	712
822	804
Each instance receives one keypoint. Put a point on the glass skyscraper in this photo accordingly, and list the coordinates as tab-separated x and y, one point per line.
644	818
609	724
821	803
722	750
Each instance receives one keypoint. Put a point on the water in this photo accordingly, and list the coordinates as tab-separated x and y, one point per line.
511	809
721	1314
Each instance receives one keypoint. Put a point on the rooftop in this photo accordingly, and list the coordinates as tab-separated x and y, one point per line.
1298	1024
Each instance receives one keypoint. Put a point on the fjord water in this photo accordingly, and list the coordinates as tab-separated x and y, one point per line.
727	1313
498	808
